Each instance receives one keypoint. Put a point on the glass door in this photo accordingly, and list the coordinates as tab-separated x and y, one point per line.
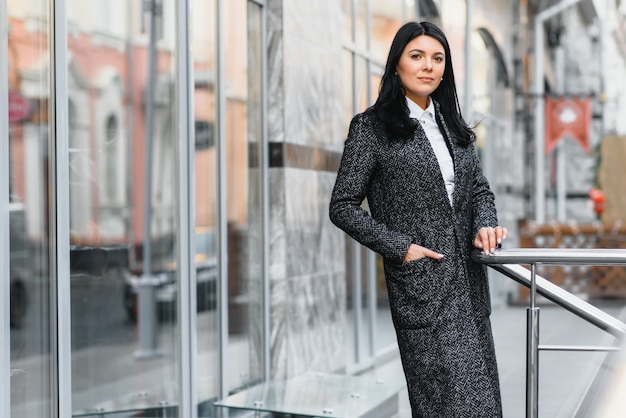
123	171
31	281
204	88
244	138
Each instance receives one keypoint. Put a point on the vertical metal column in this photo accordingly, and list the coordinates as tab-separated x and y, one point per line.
265	200
355	247
561	182
5	254
370	256
468	99
186	283
60	319
532	349
540	198
147	291
539	140
356	299
372	297
222	265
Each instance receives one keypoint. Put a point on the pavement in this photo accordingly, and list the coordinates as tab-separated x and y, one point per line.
564	377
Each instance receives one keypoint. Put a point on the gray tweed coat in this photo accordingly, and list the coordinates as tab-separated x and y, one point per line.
440	308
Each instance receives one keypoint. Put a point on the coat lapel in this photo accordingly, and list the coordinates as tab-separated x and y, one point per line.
457	157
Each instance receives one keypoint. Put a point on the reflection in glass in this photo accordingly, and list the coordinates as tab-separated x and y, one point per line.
203	46
347	96
387	17
243	141
121	92
30	290
346	8
361	24
385	335
375	23
481	89
363	88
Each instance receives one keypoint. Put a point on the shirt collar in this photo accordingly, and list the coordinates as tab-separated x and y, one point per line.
417	112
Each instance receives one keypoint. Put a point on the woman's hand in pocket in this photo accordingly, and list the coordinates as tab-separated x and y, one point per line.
416	252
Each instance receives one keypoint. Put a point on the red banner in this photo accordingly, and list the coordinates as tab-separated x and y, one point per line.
567	116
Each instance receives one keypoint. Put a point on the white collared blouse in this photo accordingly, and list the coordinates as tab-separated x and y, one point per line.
427	120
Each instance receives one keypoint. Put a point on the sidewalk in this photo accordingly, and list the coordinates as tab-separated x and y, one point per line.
563	376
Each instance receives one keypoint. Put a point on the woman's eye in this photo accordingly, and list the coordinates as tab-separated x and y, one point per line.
415	56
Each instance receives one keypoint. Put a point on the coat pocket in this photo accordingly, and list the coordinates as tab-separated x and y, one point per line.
412	295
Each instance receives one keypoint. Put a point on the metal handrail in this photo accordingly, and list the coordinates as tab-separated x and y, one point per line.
565	299
510	263
562	256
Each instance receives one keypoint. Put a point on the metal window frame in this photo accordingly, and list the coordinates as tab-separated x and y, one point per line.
5	253
362	361
355	247
265	200
265	197
220	144
187	290
60	324
60	318
222	282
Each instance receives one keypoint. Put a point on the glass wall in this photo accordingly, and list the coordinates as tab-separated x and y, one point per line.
125	204
369	29
244	191
204	64
31	282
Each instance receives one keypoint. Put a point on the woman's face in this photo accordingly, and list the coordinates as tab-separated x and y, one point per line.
421	68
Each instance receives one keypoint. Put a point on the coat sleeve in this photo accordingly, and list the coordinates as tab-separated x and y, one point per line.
358	165
483	200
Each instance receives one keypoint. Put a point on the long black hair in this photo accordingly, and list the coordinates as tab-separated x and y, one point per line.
391	107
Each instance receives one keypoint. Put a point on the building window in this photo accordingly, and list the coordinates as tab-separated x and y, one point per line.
111	160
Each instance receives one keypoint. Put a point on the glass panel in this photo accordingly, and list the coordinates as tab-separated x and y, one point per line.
481	80
348	23
122	164
385	331
361	24
317	395
204	68
243	140
29	228
376	74
387	17
362	84
347	99
366	336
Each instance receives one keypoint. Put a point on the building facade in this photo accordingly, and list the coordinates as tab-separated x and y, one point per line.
168	166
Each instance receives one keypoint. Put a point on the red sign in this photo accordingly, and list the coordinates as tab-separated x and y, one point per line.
567	116
19	107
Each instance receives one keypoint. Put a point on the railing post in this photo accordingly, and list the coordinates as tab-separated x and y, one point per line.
511	263
532	350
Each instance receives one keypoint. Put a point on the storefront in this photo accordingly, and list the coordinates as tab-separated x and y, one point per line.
168	166
121	298
160	247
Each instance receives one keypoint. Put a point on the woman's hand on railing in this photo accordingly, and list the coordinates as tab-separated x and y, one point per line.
489	238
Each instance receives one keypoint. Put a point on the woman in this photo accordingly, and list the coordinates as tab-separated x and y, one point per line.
413	157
